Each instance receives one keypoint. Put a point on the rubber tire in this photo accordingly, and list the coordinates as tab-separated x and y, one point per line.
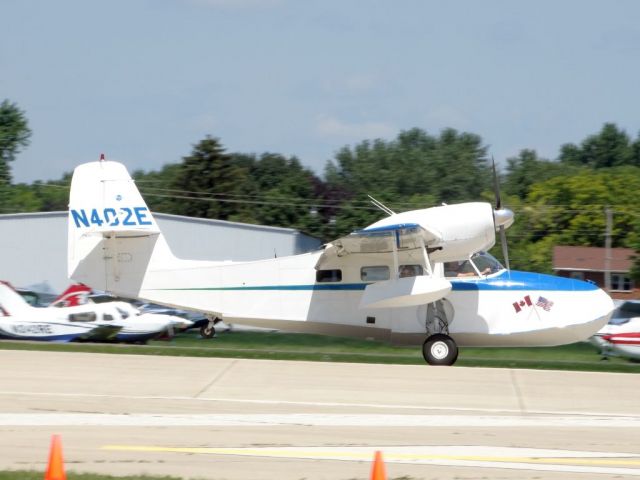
207	331
440	349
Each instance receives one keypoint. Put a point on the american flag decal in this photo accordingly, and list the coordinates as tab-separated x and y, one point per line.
544	303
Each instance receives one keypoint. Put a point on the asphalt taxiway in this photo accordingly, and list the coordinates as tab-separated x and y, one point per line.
214	418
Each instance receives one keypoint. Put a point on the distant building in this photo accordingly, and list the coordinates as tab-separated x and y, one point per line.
33	246
588	263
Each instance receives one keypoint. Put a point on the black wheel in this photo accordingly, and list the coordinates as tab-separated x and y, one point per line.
207	331
440	349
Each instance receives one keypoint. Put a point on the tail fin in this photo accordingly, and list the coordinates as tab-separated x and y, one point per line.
11	302
73	296
112	236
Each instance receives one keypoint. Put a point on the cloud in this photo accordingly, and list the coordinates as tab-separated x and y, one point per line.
332	127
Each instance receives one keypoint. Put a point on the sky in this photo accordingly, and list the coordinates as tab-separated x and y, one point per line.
143	81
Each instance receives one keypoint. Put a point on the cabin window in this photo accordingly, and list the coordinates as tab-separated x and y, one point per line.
323	276
621	282
410	270
374	274
82	317
107	317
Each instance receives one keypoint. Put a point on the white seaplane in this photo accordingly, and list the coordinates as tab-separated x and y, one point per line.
388	281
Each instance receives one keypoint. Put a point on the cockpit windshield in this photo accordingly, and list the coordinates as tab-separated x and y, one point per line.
624	313
480	263
486	262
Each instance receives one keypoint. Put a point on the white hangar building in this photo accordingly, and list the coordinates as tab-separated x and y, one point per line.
33	246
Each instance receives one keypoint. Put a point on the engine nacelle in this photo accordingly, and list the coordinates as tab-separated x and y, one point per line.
453	232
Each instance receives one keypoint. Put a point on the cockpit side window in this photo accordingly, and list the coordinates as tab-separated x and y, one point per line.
323	276
374	273
462	268
82	317
410	270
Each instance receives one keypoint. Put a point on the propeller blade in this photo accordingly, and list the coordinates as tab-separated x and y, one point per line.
496	185
506	215
505	249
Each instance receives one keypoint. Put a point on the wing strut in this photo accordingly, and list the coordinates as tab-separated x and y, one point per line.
396	266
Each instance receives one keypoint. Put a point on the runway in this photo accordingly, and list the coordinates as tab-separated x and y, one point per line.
235	419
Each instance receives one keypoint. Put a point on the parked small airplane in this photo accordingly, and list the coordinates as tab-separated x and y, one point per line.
388	281
621	336
133	325
21	321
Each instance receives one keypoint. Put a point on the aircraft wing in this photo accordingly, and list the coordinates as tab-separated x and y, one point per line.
404	236
395	292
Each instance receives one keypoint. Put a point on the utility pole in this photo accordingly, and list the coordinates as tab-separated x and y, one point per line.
607	250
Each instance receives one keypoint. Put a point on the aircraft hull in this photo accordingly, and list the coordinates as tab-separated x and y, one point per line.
507	309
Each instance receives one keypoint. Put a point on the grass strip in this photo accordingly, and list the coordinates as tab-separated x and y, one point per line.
321	348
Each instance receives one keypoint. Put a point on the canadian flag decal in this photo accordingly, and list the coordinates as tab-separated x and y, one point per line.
520	304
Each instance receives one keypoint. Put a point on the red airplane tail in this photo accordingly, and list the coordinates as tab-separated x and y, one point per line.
73	296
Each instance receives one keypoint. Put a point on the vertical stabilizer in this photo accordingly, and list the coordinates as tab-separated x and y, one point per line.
74	295
112	236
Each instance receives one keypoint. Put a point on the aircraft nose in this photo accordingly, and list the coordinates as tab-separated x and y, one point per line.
595	306
503	217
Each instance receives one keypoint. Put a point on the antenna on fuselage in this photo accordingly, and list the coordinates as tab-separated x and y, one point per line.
381	206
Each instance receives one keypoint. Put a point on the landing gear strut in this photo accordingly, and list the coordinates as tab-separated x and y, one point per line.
209	330
440	349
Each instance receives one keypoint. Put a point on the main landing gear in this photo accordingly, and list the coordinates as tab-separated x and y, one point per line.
440	349
209	329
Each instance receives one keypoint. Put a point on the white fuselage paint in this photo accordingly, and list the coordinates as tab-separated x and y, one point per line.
282	293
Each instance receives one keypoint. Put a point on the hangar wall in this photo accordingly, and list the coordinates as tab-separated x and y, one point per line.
33	246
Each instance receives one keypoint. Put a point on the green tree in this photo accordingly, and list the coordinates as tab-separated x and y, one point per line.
157	188
611	147
569	210
413	171
206	178
284	193
528	169
14	135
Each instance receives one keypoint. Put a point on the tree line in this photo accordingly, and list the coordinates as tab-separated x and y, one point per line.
559	201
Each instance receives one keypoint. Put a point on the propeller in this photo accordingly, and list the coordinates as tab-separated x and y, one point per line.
502	217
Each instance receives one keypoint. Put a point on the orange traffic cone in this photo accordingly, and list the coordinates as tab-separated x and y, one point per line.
55	468
377	471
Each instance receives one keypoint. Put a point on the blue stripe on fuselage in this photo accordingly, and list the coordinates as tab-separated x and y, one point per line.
515	280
